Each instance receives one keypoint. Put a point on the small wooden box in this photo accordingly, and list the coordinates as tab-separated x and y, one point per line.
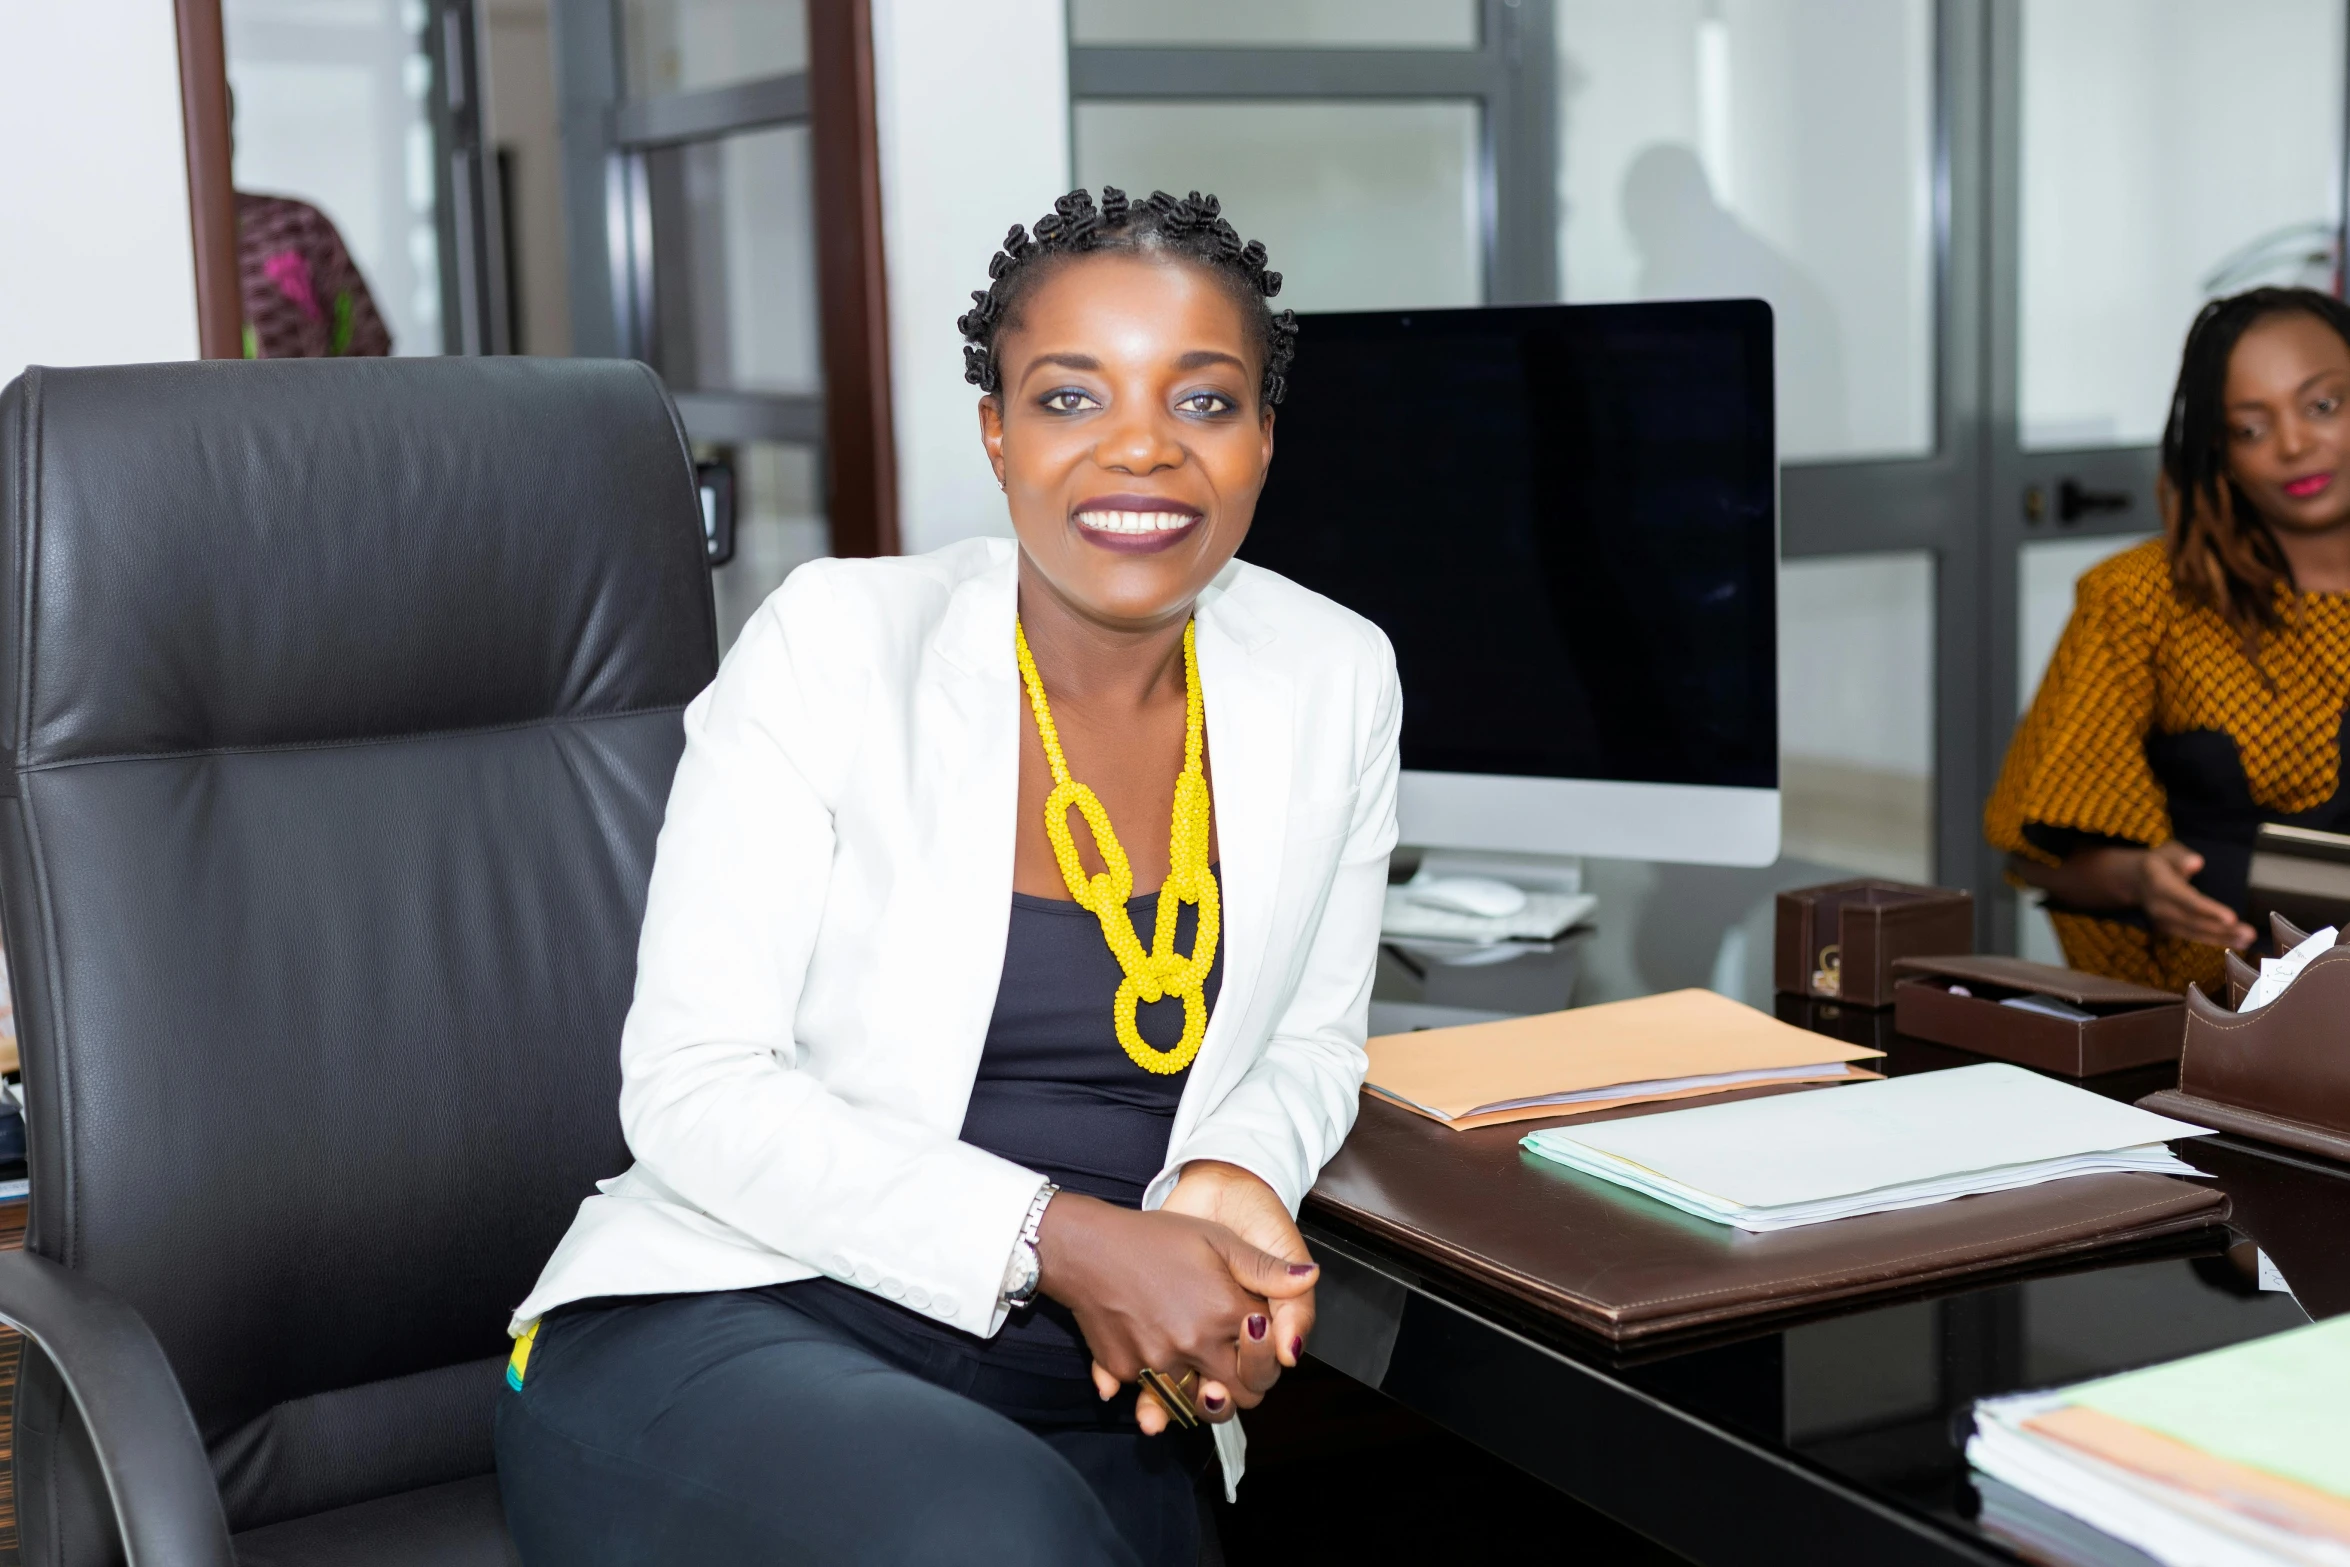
1838	942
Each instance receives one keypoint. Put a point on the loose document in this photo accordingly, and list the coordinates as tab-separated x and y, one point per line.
2277	973
1903	1142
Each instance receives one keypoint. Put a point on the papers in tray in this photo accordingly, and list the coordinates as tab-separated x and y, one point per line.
2238	1456
1775	1164
1674	1046
2277	973
1545	915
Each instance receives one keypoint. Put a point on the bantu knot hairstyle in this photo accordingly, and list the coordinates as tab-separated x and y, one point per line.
1192	228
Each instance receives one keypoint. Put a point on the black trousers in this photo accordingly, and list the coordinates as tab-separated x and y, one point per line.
782	1425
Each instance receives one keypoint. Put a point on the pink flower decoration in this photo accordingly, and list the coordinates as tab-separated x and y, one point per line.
292	278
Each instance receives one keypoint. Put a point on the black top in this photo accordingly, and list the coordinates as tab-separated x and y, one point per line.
1057	1093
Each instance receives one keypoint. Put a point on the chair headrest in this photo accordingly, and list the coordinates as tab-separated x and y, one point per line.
226	555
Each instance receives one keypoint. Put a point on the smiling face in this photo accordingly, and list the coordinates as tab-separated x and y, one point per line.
2288	422
1130	435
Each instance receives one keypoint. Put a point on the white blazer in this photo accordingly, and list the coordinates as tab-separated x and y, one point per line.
825	930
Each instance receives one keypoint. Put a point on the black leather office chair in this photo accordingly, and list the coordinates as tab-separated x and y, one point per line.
339	702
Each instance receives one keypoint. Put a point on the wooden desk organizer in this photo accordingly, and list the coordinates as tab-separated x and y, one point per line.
2279	1075
1838	942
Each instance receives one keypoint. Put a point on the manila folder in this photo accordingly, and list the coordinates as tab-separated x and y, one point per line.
1562	1063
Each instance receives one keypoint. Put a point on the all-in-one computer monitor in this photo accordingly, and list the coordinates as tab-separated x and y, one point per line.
1565	517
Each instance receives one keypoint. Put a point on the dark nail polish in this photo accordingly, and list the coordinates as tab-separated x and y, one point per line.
1257	1326
1298	1270
1297	1348
1212	1402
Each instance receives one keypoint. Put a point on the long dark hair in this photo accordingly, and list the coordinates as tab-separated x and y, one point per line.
2222	553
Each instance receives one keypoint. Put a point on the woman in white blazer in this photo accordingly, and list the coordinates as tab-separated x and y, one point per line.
944	1131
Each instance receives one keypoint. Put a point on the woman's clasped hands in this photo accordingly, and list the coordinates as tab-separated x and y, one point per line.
1217	1281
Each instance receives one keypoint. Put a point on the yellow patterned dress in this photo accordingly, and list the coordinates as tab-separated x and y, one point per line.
2154	723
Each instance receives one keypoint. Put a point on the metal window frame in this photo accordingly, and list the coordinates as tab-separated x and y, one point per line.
711	112
1933	502
641	129
1511	75
476	281
608	138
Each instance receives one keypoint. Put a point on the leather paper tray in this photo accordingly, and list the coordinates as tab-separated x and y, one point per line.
2281	1074
1629	1268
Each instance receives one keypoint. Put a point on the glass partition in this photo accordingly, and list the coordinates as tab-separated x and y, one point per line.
735	273
1856	711
1364	206
331	107
682	45
1781	149
2173	151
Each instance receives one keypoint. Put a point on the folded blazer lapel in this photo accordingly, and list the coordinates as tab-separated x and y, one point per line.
967	732
1250	752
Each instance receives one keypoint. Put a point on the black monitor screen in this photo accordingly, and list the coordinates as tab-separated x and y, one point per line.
1564	516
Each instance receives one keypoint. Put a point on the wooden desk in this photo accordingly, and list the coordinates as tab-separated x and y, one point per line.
1834	1439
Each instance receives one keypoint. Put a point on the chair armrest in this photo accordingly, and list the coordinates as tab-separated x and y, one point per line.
165	1500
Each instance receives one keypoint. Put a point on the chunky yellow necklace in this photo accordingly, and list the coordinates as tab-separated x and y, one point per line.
1162	971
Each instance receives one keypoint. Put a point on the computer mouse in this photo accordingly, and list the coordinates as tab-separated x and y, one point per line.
1479	895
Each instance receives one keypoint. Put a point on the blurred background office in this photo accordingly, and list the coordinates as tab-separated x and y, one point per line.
1983	226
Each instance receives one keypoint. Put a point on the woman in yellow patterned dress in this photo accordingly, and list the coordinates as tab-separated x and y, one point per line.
2199	689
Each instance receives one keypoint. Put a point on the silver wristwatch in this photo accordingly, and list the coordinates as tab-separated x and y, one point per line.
1024	1271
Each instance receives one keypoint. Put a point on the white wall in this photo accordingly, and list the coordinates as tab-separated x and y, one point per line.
97	265
973	104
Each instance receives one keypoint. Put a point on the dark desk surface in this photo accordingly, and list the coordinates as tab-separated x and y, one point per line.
1836	1438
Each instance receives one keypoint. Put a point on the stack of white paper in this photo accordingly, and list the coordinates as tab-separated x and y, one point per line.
2171	1524
2235	1458
1905	1142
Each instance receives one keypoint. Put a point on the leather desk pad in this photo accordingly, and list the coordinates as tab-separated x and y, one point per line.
1475	1204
